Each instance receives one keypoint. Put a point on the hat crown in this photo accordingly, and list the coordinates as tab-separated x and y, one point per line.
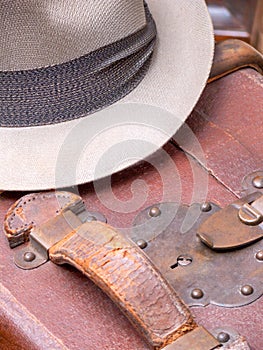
40	33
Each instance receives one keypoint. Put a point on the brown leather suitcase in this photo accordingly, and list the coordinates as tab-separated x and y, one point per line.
217	160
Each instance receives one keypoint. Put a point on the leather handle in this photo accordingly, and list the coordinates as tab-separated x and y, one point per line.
129	278
233	54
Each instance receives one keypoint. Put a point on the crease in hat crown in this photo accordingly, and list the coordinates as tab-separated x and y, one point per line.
41	33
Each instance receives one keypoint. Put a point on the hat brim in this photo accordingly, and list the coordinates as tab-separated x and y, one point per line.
78	151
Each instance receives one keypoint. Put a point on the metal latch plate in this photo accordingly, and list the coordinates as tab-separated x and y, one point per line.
199	338
200	275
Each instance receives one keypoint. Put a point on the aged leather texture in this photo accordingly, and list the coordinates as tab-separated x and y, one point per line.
56	307
127	276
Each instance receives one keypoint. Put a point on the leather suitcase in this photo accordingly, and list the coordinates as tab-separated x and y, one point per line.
57	307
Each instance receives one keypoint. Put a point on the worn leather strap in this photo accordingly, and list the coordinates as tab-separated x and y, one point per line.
231	55
114	263
128	277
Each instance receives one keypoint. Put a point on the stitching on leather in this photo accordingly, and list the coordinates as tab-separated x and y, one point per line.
30	199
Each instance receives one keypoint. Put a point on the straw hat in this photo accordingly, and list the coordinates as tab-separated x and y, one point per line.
88	88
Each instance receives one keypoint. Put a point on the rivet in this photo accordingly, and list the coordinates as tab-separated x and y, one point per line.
259	255
205	207
29	256
197	294
91	218
247	290
154	212
223	337
142	243
258	182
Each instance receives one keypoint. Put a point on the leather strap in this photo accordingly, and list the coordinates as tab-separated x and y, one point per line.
114	263
128	277
232	55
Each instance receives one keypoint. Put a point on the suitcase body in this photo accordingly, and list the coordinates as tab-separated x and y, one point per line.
55	307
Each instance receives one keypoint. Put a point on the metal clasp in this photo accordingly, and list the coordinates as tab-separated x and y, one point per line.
237	225
252	213
198	339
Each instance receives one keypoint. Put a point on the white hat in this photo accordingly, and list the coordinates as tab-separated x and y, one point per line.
88	88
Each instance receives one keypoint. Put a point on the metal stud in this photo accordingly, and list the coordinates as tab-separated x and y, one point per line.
247	290
197	293
259	255
154	212
206	207
142	243
223	337
258	182
29	256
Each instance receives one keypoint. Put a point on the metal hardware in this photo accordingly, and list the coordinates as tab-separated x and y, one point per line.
252	214
142	243
172	222
229	337
223	337
29	256
249	215
91	218
199	339
154	212
219	274
197	294
252	182
259	255
18	223
258	181
247	290
184	260
205	207
167	233
235	226
35	253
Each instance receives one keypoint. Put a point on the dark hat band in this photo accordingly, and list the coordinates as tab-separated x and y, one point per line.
77	88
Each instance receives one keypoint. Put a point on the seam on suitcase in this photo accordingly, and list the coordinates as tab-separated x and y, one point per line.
27	324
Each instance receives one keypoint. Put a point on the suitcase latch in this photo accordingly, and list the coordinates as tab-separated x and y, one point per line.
208	254
235	226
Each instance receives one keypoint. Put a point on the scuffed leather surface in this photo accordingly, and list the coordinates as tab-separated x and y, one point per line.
123	272
228	124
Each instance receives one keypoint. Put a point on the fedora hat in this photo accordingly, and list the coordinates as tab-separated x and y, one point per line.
88	88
